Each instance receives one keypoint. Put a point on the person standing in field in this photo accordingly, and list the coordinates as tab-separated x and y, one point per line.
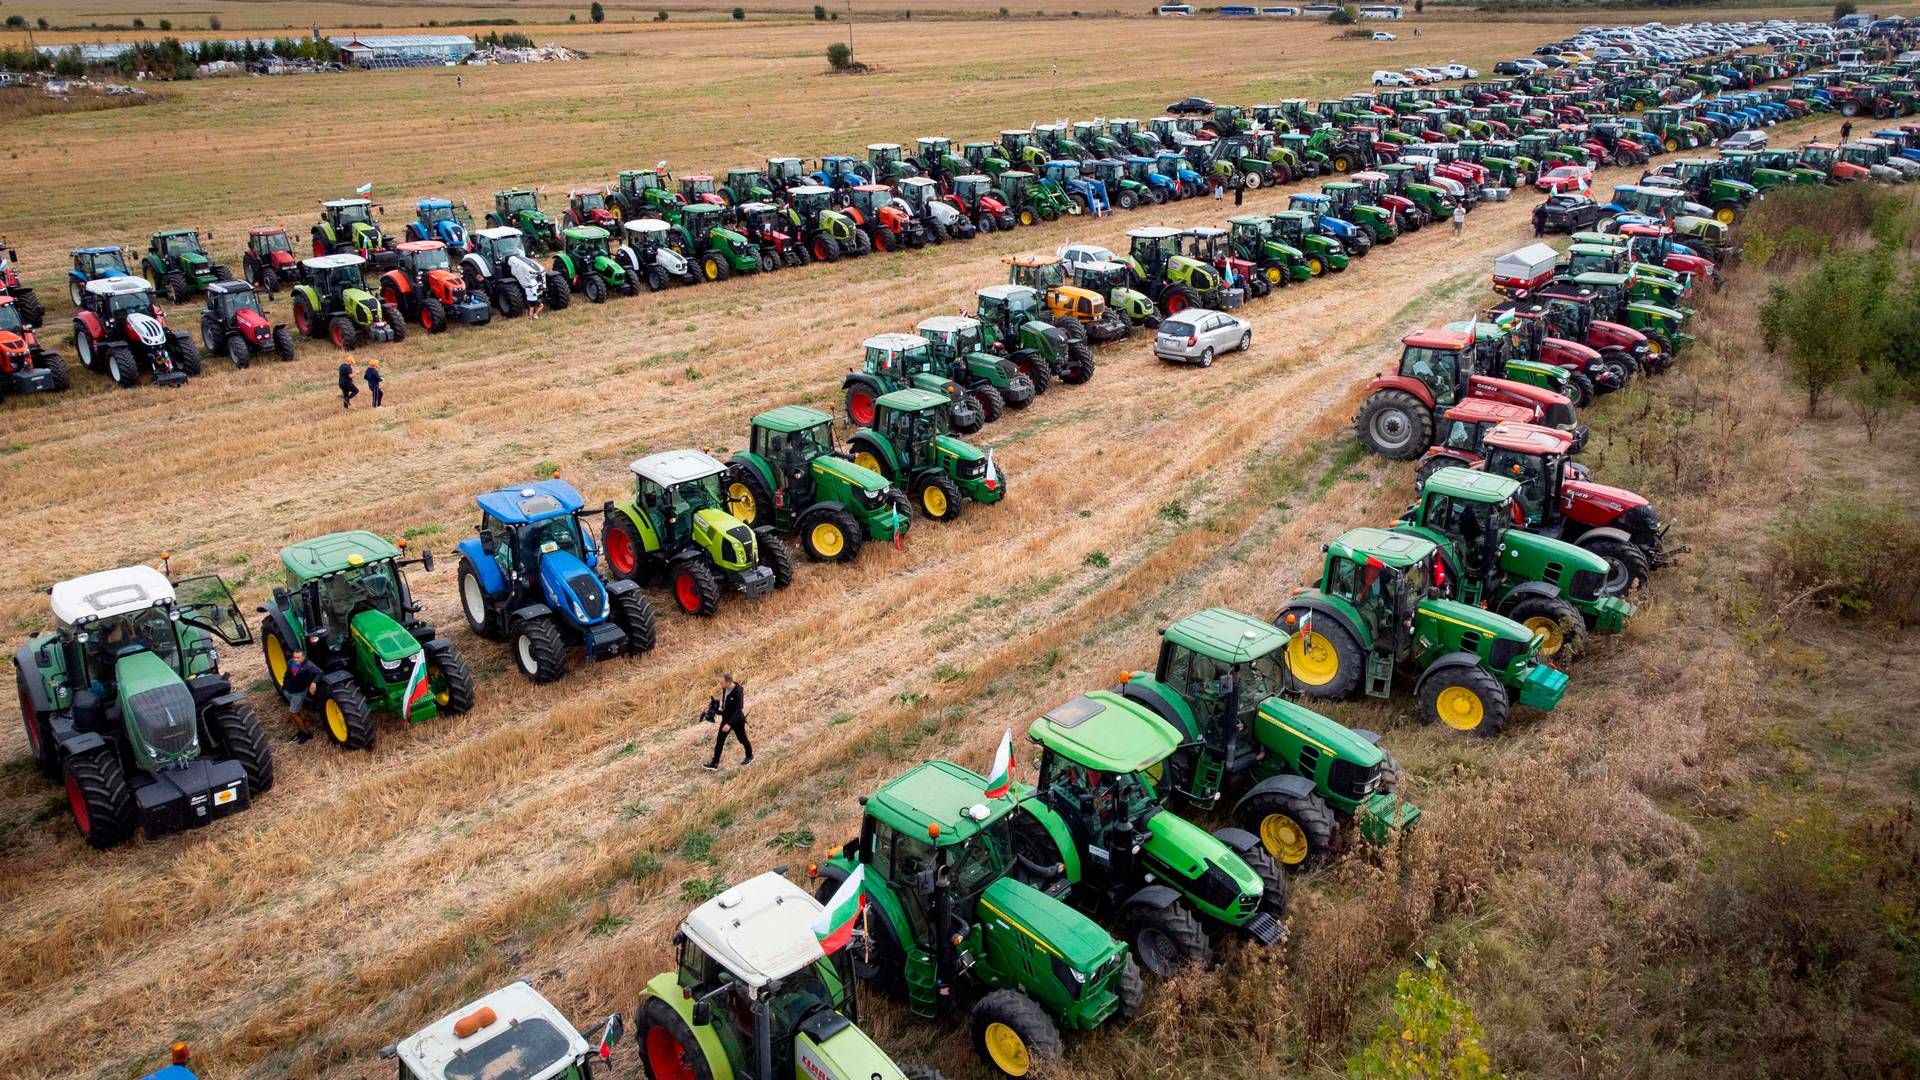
348	391
302	679
1239	188
1459	221
373	381
730	708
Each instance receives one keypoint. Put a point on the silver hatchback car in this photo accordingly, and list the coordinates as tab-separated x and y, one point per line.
1196	335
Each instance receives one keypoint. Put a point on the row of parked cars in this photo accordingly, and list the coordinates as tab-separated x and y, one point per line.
1424	76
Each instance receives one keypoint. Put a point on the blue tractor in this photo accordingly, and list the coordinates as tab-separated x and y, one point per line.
1353	238
1174	164
443	220
528	578
92	264
1146	171
841	171
1090	194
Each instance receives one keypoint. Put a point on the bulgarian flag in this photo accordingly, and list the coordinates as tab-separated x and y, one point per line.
364	189
1000	777
417	686
834	925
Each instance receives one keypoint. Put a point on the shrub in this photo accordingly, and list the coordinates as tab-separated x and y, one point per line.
16	22
819	13
1344	15
739	14
139	24
213	22
840	55
660	16
1843	9
1856	554
1432	1034
596	12
1829	323
166	25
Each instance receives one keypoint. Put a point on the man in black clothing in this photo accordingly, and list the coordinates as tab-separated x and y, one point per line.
373	381
1846	131
348	391
1239	188
302	679
1540	220
731	710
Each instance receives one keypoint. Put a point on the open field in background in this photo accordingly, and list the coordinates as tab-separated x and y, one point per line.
554	833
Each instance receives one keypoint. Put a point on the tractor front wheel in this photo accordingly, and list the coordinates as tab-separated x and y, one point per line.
186	355
986	224
1167	939
992	405
694	587
349	719
1394	424
1322	655
1558	625
1126	201
39	731
1013	1034
1627	564
239	353
938	497
539	650
236	731
775	556
304	318
594	288
282	343
559	291
1582	388
1273	880
826	249
633	613
179	287
829	536
433	315
342	332
473	603
1297	831
449	677
122	365
656	279
97	792
1464	697
668	1050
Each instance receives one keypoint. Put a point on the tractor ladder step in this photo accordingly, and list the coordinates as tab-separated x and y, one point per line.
923	993
1265	929
1379	675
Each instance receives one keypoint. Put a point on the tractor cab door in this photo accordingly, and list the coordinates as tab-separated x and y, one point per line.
904	861
670	511
206	602
1439	369
1212	692
1374	591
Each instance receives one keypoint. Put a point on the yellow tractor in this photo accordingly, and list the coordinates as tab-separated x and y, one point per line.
1083	313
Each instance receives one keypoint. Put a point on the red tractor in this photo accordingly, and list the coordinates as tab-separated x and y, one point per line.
1437	371
700	189
890	226
588	206
30	310
234	325
25	367
1618	525
979	201
427	289
1570	317
269	259
119	333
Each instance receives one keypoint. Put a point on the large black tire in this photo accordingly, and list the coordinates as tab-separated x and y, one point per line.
830	535
39	731
236	730
239	353
1167	939
1582	388
444	660
1390	775
695	589
510	300
1159	196
594	288
1274	894
667	1047
1464	697
1627	564
1394	424
269	282
32	311
1036	369
1326	663
986	224
178	287
122	366
748	496
213	336
777	557
992	405
186	355
433	315
656	279
1133	990
473	604
862	243
559	291
633	612
352	728
1562	632
57	376
539	650
90	353
1011	1033
1296	831
1079	367
938	497
282	343
100	799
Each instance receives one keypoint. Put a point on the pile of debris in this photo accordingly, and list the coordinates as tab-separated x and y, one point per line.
502	54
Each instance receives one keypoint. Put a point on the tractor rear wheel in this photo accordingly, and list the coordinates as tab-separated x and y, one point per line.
777	557
282	343
473	604
539	650
1167	939
1394	424
1627	565
239	353
1012	1033
1582	388
179	287
186	355
559	291
236	731
1178	299
342	332
938	497
668	1049
1465	697
860	406
694	587
830	536
633	612
32	311
768	263
620	539
1324	659
1297	831
748	497
433	315
992	405
39	731
594	288
1390	774
349	719
213	336
122	365
305	319
97	792
1079	367
449	677
881	239
1558	625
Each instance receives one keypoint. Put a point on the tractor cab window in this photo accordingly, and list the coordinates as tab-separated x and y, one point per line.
519	202
974	865
1531	472
812	442
9	318
908	857
435	259
791	1001
593	201
225	305
180	244
1374	590
506	247
547	537
1459	435
1437	368
918	428
136	300
341	278
372	587
696	969
149	630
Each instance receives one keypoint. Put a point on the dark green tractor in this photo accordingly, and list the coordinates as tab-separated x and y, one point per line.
911	445
1346	200
745	185
986	158
177	264
520	209
643	193
344	601
1379	610
957	342
791	478
676	529
1301	229
896	361
1275	260
1123	190
124	700
1033	200
1015	328
718	252
587	261
1298	777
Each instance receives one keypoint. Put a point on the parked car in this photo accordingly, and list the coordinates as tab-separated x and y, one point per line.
1392	78
1565	179
1192	106
1460	71
1196	335
1382	35
1510	67
1745	140
1571	213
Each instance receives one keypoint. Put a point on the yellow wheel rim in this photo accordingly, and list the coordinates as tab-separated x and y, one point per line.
1724	215
1316	267
336	721
867	461
1273	275
1312	659
713	268
1672	145
1285	840
1460	708
1026	217
276	660
827	539
740	502
437	677
934	500
1008	1050
1551	634
1156	772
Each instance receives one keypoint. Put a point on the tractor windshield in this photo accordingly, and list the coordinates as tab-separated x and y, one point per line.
1532	472
506	247
690	495
9	319
132	301
352	214
591	201
271	242
148	630
1437	368
180	244
918	428
225	305
439	213
546	537
434	259
341	278
371	587
981	860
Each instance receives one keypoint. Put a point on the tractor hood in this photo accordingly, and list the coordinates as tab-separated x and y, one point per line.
146	329
191	260
1195	854
857	476
1613	333
362	306
157	708
1078	940
1279	721
1521	550
1473	618
845	1053
382	638
445	282
571	588
1611	500
961	449
254	325
730	540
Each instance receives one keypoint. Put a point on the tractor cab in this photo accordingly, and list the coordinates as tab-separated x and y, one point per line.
112	300
700	220
1151	250
347	225
225	301
985	156
1214	247
499	245
92	264
792	477
886	163
700	188
786	172
418	257
588	206
513	1032
643	190
839	171
746	185
679	491
332	276
1380	577
1534	458
1016	143
178	249
896	360
520	209
269	249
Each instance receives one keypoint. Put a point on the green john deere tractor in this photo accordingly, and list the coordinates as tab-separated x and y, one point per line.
124	700
1380	610
1273	259
950	922
1159	881
676	528
1550	586
587	261
1300	776
346	604
910	444
1032	200
643	193
894	361
717	251
520	209
1010	316
745	185
791	478
754	996
956	341
1302	229
175	262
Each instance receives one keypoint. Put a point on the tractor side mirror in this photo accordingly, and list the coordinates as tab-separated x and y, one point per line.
606	510
426	560
924	883
488	545
702	1014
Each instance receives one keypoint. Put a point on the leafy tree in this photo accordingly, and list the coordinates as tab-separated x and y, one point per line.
1344	15
819	13
213	22
840	55
739	14
596	12
139	24
660	16
1433	1034
1830	324
1843	9
16	22
1874	395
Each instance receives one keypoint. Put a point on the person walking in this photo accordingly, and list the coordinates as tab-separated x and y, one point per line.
1846	130
348	391
532	286
301	679
1459	221
1219	188
1239	188
373	381
731	710
1540	221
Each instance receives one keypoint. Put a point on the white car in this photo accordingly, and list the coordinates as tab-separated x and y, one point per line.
1196	334
1426	75
1382	35
1392	78
1460	71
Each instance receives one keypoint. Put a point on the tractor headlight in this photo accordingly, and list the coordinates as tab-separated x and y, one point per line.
1504	652
392	668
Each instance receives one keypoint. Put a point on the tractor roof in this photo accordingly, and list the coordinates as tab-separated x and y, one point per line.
1476	410
894	341
1471	485
947	324
536	501
755	207
499	232
1583	248
584	191
1006	292
1247	219
745	170
434	203
701	209
1339	185
1104	731
335	552
1015	131
642	225
1100	266
1371	174
519	1013
510	192
267	230
937	793
1065	163
789	418
1437	339
812	189
759	930
1032	260
783	160
94	251
1482	329
118	286
883	146
1529	438
334	204
109	592
982	177
915	181
670	467
1309	196
1204	232
415	247
332	262
695	177
1226	634
580	232
1597	277
1395	549
912	399
227	288
872	187
158	233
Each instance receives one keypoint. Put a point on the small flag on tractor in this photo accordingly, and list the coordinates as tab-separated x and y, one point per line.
1000	777
418	687
364	189
609	1035
993	474
833	927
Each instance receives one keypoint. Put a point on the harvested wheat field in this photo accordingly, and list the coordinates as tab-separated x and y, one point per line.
1568	874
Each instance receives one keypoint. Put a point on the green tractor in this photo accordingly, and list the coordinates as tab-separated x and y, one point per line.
745	185
1300	776
332	301
886	163
1550	586
825	232
1380	610
718	252
346	604
586	259
1112	281
643	193
676	528
753	995
1346	200
950	922
1015	328
1031	200
346	226
894	361
985	158
176	263
520	209
910	444
994	382
1302	229
514	1025
1174	281
1278	262
124	700
1161	882
791	478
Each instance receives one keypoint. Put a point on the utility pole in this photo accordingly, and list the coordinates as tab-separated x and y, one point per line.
849	25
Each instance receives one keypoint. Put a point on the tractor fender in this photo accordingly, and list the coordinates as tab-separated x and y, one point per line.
24	662
1158	897
747	461
1525	589
89	322
665	988
397	282
311	296
879	447
1446	661
1605	533
333	681
1289	784
1321	608
563	262
478	264
484	568
282	626
526	613
861	378
1407	383
1240	840
81	742
622	586
1058	832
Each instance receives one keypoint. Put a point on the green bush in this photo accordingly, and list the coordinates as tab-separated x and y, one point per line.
840	55
596	12
1433	1034
16	22
819	13
1843	9
1856	554
1344	15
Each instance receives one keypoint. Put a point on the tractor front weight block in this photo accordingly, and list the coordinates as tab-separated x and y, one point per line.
756	581
190	796
604	641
